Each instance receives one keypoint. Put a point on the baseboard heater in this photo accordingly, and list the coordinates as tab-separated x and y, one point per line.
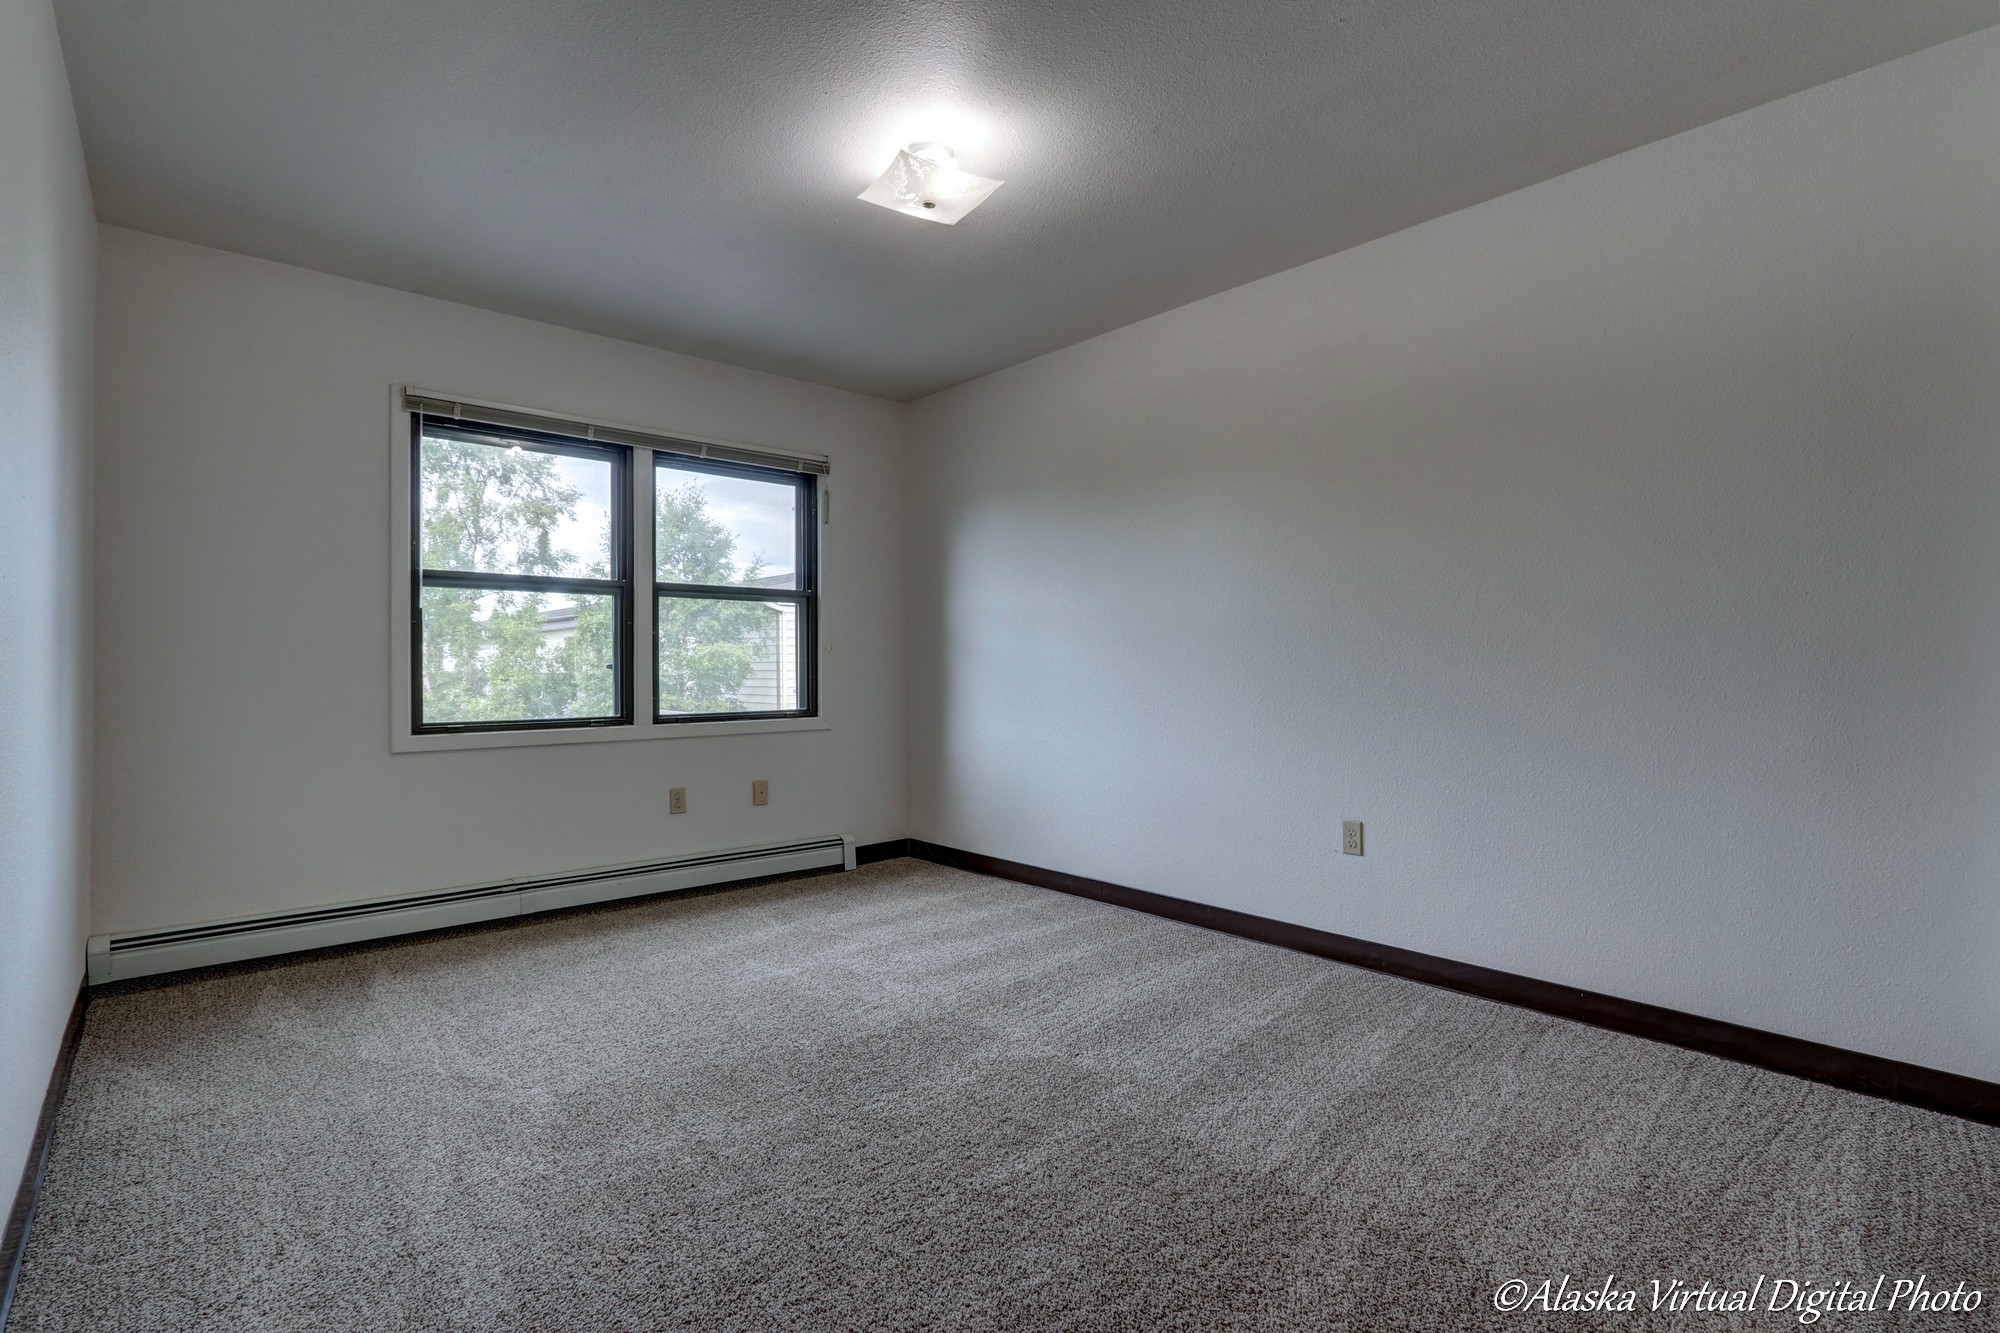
145	953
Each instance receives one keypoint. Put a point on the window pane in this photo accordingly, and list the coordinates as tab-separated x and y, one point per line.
494	507
518	656
721	656
732	530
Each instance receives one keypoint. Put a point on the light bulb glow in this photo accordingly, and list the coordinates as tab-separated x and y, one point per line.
940	122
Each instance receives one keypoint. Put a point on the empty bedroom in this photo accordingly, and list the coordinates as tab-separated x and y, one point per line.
999	665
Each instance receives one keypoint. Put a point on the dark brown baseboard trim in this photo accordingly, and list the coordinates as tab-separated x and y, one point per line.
1913	1085
14	1242
869	853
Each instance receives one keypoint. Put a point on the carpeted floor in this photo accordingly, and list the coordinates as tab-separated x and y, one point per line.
914	1098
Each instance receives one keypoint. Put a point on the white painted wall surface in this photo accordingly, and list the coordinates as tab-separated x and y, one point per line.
243	515
1625	551
47	252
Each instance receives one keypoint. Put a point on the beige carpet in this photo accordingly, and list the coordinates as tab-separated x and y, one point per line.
913	1098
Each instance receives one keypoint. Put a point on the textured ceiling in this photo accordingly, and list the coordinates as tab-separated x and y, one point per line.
683	174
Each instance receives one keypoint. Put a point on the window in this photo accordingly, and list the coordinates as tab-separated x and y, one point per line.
522	596
732	563
524	608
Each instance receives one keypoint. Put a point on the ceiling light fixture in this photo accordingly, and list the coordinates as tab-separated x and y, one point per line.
925	181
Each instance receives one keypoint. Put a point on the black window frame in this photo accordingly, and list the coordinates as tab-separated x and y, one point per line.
805	596
621	587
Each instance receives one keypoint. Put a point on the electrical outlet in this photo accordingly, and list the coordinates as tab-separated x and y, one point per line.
677	800
1350	836
760	792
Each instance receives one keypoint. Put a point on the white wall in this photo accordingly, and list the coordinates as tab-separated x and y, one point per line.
46	258
1625	551
242	686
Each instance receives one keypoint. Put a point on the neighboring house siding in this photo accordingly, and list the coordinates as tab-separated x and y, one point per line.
559	623
773	683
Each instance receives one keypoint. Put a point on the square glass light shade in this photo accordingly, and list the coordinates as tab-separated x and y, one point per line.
929	185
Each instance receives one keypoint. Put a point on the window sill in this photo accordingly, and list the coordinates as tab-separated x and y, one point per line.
404	743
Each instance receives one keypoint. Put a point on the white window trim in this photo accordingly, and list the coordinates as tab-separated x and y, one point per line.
402	740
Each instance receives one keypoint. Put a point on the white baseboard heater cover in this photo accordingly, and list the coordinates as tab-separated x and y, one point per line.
145	953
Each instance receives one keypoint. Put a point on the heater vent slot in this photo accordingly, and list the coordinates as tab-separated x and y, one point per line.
144	953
